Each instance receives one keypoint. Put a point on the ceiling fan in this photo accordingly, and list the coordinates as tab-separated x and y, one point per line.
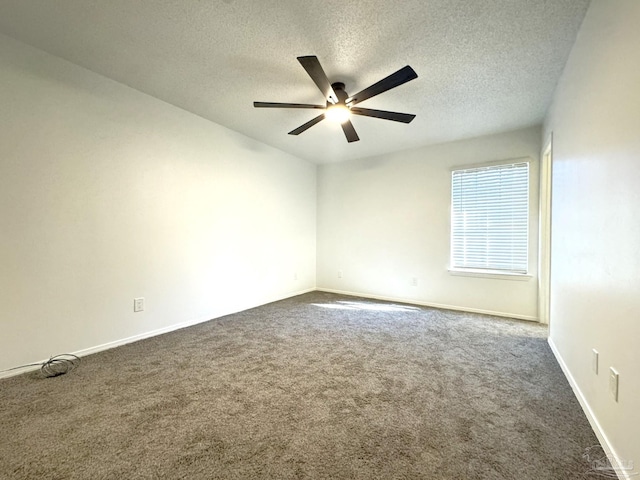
340	106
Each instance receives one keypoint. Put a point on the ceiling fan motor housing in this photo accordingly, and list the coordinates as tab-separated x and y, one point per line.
338	88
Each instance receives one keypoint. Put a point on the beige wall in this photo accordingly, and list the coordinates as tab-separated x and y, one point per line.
383	221
595	259
107	194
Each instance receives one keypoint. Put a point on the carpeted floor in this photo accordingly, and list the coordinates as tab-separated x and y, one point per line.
318	386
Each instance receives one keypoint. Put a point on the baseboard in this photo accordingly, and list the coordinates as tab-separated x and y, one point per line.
152	333
431	304
618	466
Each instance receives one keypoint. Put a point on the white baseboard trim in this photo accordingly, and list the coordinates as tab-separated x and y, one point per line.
618	466
152	333
431	304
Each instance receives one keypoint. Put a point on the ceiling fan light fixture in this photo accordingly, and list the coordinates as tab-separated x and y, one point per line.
338	113
339	105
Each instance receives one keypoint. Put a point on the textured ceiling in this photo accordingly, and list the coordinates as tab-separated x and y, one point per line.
483	66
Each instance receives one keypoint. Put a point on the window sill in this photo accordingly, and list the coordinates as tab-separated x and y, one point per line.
522	277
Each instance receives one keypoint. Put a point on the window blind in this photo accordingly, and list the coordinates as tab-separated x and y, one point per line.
490	218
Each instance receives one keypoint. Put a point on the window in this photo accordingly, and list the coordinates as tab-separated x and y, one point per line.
490	219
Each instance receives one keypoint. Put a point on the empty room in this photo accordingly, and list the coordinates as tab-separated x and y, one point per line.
319	239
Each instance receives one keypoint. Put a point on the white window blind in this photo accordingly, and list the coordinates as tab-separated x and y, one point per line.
490	218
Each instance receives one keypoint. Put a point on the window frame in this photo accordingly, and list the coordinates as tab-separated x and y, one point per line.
488	272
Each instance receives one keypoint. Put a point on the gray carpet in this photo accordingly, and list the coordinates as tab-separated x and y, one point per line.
317	386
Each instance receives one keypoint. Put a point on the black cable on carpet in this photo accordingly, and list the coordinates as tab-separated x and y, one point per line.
54	366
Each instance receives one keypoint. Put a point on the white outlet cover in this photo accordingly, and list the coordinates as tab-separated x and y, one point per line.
138	304
614	379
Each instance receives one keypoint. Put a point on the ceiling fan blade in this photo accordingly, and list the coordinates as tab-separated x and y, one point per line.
312	65
350	132
395	116
307	125
396	79
286	105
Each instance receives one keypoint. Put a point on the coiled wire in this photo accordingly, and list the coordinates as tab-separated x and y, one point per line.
55	366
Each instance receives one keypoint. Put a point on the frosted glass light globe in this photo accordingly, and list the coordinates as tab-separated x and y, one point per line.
337	113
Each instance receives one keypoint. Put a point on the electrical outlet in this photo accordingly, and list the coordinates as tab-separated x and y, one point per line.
594	360
138	304
295	276
614	379
414	281
339	273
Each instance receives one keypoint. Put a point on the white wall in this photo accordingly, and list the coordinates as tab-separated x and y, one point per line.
107	194
595	262
384	220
